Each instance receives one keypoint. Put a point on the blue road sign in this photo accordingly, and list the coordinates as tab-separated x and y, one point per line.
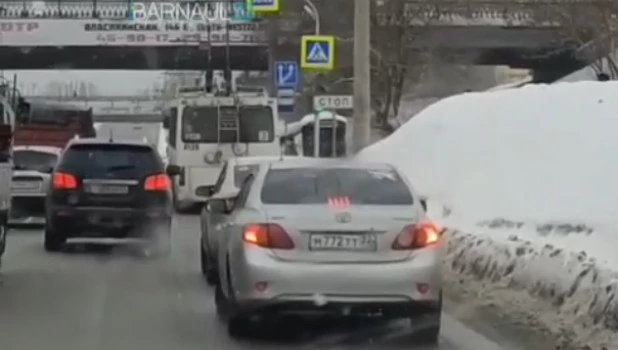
286	100
286	74
317	52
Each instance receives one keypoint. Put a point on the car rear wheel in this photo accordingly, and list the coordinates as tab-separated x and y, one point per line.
3	231
238	326
221	303
52	241
430	333
209	270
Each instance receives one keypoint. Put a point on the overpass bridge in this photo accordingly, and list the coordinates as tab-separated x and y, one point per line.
551	37
101	35
112	108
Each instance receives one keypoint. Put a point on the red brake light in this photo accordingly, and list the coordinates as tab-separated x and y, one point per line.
64	181
417	236
159	182
339	201
270	236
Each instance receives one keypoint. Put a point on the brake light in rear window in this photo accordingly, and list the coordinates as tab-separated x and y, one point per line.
159	182
64	181
339	201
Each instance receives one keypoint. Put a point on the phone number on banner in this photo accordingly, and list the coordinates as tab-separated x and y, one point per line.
146	39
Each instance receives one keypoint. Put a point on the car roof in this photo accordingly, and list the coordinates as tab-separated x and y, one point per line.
106	141
37	148
352	163
261	159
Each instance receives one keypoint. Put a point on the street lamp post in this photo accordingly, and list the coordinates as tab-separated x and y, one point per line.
312	10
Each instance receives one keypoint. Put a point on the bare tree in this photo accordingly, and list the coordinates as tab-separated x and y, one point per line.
92	89
395	66
83	89
590	27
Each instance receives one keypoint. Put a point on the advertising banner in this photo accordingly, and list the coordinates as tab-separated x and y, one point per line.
67	32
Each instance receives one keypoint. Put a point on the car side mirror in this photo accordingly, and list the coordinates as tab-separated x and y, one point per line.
219	206
424	203
173	170
205	191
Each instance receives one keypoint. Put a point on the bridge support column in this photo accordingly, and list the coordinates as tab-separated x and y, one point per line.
152	58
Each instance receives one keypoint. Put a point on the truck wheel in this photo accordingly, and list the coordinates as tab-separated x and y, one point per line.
52	241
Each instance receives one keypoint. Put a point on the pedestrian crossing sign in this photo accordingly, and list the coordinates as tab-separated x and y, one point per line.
317	52
263	6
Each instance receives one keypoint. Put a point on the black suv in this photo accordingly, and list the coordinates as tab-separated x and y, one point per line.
109	189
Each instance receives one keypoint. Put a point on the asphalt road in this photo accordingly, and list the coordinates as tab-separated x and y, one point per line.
92	298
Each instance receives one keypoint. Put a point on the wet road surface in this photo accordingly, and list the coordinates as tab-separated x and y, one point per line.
112	299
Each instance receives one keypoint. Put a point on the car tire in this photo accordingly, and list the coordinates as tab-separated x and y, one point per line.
221	303
209	270
3	233
52	241
238	326
430	333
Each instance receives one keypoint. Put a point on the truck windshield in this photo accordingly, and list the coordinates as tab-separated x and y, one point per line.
248	124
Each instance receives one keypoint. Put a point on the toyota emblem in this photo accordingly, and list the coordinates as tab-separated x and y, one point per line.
343	217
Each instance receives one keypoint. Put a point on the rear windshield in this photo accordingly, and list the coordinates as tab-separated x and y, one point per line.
313	186
242	171
34	160
248	124
111	161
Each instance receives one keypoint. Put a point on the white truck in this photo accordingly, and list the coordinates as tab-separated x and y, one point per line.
7	123
205	129
299	137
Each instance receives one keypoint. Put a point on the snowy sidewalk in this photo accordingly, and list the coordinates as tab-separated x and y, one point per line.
530	179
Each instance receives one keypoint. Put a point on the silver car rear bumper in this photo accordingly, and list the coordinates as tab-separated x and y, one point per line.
259	278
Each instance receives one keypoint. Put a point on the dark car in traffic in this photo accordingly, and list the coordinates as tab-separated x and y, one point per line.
109	189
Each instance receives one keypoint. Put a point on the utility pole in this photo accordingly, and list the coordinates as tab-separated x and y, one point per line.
361	119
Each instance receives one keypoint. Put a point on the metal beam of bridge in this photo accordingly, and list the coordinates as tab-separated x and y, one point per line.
72	99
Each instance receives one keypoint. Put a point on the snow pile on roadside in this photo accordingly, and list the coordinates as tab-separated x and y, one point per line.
529	176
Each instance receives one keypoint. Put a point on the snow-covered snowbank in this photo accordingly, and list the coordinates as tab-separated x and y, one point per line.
530	179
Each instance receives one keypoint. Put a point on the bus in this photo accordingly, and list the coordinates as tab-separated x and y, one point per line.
205	129
298	137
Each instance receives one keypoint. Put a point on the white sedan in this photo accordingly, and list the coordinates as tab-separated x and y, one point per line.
328	237
232	175
32	169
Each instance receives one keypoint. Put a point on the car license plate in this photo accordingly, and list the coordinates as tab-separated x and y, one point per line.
353	242
25	185
108	189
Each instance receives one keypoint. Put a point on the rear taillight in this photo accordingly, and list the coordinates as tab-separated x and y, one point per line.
270	236
64	181
417	236
159	182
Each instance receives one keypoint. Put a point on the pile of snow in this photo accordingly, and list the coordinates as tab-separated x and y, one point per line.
530	177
